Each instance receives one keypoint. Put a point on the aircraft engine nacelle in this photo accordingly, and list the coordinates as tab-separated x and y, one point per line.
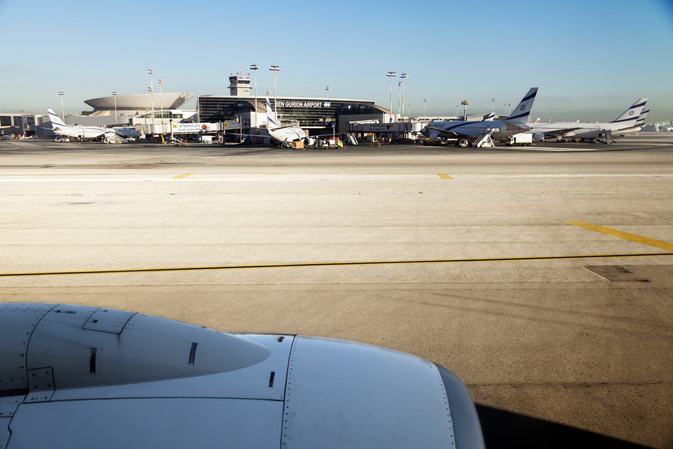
538	136
75	376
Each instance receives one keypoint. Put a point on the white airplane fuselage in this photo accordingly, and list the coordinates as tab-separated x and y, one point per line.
575	130
629	119
501	128
79	132
514	124
289	134
128	133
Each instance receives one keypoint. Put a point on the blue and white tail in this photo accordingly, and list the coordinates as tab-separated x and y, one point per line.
641	118
55	119
490	117
631	114
522	110
272	121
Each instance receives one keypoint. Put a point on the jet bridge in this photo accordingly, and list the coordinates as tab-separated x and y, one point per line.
190	128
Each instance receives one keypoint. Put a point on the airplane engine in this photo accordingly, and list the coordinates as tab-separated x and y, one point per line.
538	136
76	376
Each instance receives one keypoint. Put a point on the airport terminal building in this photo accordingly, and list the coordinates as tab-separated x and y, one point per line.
315	115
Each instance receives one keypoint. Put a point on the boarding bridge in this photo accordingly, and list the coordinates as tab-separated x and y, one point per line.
378	128
191	128
388	130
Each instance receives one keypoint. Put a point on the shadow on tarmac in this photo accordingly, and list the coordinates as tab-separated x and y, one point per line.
503	429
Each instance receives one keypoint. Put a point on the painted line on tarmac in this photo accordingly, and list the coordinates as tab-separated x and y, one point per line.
568	175
252	177
332	264
623	235
319	177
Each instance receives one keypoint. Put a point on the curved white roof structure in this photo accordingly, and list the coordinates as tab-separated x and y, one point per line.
141	102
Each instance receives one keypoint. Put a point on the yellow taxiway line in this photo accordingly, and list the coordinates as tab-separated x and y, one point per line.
444	176
182	176
623	235
332	264
609	231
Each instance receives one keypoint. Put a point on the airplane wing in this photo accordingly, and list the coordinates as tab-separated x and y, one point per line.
446	132
516	127
555	132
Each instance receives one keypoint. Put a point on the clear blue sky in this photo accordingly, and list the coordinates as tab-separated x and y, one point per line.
590	59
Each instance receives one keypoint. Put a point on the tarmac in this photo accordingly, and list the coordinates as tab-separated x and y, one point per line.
542	276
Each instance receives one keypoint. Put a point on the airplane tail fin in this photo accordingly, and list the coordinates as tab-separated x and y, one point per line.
490	117
641	117
522	110
632	113
271	116
55	119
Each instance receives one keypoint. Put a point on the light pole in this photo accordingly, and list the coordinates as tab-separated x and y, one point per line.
61	93
403	76
465	103
255	68
327	89
274	69
391	75
161	105
425	103
151	89
114	95
399	105
507	105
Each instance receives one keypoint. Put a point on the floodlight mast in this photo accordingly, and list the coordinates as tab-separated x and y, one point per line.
114	95
391	75
151	89
255	68
61	94
161	104
403	76
274	69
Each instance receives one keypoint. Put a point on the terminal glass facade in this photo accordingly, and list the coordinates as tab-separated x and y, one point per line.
308	113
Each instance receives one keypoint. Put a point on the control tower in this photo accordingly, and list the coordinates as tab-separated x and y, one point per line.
239	85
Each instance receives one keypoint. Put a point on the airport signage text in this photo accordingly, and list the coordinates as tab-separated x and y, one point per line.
194	128
302	104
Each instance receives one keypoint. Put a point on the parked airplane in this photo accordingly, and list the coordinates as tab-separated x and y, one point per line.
577	130
127	133
88	132
285	135
514	124
76	376
282	134
639	124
